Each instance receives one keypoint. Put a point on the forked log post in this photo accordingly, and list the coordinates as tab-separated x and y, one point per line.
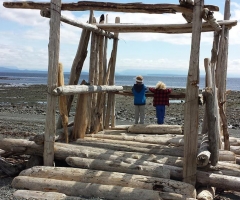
115	166
77	64
85	26
109	6
77	89
110	112
155	129
63	103
73	188
53	52
213	136
112	178
191	100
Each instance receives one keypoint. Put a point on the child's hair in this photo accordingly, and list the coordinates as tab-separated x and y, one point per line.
161	85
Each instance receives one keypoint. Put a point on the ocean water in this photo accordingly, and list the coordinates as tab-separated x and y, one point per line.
172	81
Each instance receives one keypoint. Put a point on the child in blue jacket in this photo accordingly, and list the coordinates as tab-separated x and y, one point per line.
139	90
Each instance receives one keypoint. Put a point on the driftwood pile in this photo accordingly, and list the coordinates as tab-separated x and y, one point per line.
121	164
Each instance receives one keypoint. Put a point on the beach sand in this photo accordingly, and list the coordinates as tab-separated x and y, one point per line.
23	112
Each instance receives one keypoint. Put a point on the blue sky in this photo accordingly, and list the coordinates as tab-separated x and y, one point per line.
24	37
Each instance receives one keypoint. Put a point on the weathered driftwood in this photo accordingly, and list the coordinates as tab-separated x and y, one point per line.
62	151
191	100
238	160
111	178
155	129
81	117
203	152
163	28
187	3
73	188
235	149
89	27
218	180
109	6
221	75
213	136
227	156
166	139
117	166
53	52
65	150
63	103
132	146
77	89
33	194
205	193
11	169
208	16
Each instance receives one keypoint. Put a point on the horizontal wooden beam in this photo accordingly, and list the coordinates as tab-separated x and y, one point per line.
173	95
90	27
109	6
162	28
77	89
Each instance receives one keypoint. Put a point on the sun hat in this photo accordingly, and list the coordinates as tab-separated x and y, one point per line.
139	79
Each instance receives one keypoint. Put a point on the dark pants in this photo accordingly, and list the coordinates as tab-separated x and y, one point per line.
160	112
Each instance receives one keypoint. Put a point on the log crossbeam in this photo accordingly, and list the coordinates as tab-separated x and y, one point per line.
89	27
109	6
162	28
77	89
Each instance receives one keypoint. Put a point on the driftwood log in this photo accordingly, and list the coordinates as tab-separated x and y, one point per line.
115	165
111	178
213	179
203	152
166	139
73	188
205	193
155	129
77	89
132	146
33	194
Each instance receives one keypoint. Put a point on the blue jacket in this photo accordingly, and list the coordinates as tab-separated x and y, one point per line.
139	91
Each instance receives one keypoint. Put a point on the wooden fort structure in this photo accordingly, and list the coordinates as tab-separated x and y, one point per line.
93	121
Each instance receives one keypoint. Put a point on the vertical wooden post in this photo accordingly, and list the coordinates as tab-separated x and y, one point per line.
105	71
191	99
53	52
111	97
212	114
221	75
95	82
63	103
